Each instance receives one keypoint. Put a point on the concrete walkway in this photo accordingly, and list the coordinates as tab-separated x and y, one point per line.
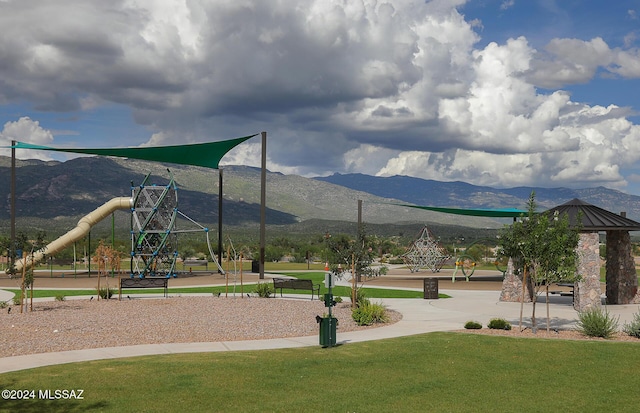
418	316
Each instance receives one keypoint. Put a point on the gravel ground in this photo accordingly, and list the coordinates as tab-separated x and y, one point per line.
80	324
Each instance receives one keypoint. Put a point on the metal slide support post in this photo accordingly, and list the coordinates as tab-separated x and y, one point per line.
89	249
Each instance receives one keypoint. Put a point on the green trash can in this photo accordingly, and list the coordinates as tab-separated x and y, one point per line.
327	331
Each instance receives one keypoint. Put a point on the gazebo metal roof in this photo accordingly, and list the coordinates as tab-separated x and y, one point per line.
595	218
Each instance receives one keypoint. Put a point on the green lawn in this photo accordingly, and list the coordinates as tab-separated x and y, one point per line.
437	372
317	277
248	288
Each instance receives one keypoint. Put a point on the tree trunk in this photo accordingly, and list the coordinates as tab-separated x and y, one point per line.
548	318
534	326
535	286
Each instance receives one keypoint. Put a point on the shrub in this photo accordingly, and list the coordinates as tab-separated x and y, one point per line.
597	322
60	297
3	304
16	300
499	324
105	293
368	314
633	328
263	290
361	298
473	325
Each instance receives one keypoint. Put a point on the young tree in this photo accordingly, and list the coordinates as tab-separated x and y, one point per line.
359	253
543	247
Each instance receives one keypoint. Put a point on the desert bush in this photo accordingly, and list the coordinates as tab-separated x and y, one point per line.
263	290
597	322
3	304
361	298
633	328
105	293
60	297
499	324
368	314
472	325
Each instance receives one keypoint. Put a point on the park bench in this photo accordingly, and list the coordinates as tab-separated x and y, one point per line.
149	282
195	263
296	284
564	293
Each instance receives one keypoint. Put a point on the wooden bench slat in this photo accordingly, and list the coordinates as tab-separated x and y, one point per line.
146	283
296	284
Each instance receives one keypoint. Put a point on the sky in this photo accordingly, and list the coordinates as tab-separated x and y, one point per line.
502	93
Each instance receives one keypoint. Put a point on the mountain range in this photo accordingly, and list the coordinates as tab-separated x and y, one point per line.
463	195
58	193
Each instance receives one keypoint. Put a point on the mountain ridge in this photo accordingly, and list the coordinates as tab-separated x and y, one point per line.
56	193
463	195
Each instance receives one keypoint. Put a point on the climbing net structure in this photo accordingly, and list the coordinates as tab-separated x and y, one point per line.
153	240
425	252
154	233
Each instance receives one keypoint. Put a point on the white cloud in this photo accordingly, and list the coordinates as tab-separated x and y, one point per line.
366	159
627	63
569	61
28	131
630	39
604	143
359	86
507	4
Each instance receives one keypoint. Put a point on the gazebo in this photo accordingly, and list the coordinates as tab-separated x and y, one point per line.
621	278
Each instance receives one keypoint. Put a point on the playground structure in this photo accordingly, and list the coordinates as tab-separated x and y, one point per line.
80	231
153	230
154	216
425	251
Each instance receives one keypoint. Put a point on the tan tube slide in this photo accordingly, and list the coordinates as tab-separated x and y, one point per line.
81	230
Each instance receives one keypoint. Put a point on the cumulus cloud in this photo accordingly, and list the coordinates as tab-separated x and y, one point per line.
352	86
29	131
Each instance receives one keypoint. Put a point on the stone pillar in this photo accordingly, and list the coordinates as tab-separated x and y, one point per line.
512	286
587	291
622	282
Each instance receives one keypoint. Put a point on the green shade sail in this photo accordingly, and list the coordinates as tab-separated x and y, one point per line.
207	154
491	213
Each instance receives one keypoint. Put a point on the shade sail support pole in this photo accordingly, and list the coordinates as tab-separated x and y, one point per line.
263	202
220	192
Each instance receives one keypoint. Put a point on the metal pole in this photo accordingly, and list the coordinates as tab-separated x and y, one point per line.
12	248
89	248
220	217
263	201
113	242
359	235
